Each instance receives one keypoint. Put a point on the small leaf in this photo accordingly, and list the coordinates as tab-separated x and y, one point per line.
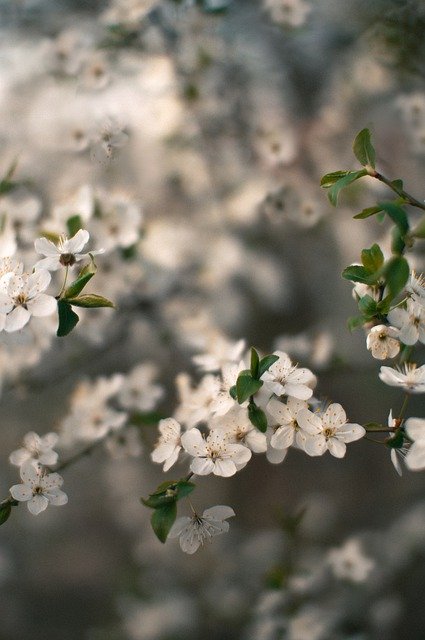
68	319
352	176
396	272
90	301
74	224
184	487
148	418
373	426
233	392
368	307
373	258
255	362
86	274
356	273
355	322
266	363
246	386
330	178
257	417
398	244
397	440
397	184
163	519
363	149
397	215
366	213
5	511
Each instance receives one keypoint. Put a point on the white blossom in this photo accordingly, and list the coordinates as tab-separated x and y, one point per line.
415	457
410	321
21	296
168	447
139	391
416	287
215	454
285	429
412	379
240	430
38	488
350	563
65	253
284	378
332	431
36	448
194	531
220	352
382	342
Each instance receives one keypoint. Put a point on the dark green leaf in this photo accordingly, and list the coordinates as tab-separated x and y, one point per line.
266	363
397	241
90	301
356	273
246	386
330	178
148	418
74	224
397	215
67	318
363	149
372	258
163	519
255	362
257	417
233	392
184	487
397	184
5	510
397	440
366	213
368	307
396	272
83	278
334	190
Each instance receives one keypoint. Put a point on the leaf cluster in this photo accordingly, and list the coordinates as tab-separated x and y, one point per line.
164	502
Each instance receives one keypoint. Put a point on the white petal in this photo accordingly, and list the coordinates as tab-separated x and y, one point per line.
202	466
315	445
415	458
37	504
283	438
194	443
45	247
57	497
350	432
21	492
172	459
337	447
51	264
309	422
279	411
220	512
225	468
42	305
299	391
415	428
334	416
17	319
276	456
178	527
77	242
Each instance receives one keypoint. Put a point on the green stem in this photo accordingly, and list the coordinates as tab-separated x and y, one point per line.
404	406
64	282
400	192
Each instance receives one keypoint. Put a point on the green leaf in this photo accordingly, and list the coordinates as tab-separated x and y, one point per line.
90	301
255	362
330	178
397	184
83	278
184	487
368	306
397	241
356	273
397	440
334	190
355	322
257	417
163	519
419	230
397	215
373	426
373	258
148	418
396	272
74	224
68	319
363	149
246	386
5	511
168	492
233	392
366	213
266	363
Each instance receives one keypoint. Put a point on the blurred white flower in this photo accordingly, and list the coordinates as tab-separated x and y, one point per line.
196	404
350	563
215	454
124	443
168	447
38	488
139	391
288	13
106	140
410	321
416	286
412	379
39	449
382	342
194	531
415	457
220	352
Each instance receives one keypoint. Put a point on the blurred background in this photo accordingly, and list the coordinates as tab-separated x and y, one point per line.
190	138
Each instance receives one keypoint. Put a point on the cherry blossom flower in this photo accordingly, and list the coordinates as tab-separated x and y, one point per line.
37	449
415	457
196	404
412	379
332	431
286	431
193	531
284	378
169	444
240	430
38	488
416	287
138	390
350	563
382	342
63	254
221	351
410	321
215	454
21	296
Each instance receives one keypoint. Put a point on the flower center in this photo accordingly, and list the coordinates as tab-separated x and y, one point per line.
67	259
20	300
328	432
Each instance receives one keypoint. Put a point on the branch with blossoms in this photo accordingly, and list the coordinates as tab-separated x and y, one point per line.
391	299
